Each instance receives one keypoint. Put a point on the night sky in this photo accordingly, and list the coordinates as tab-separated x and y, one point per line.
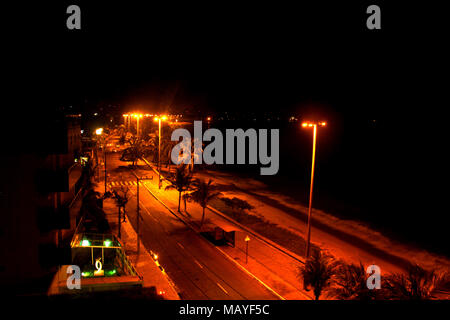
317	60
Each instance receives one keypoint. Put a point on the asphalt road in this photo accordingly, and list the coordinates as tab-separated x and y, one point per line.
198	270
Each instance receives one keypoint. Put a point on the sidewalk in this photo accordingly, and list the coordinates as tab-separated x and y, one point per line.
145	265
267	264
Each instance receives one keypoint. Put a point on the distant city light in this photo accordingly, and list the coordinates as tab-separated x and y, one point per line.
162	118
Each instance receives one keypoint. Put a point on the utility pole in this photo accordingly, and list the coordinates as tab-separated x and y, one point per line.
138	216
104	155
159	119
313	125
159	154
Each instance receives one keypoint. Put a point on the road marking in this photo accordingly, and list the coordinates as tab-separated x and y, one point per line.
195	260
226	255
148	212
180	245
251	274
222	288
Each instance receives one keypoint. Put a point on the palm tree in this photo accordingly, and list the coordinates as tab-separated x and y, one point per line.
350	283
317	272
417	284
180	182
135	152
203	194
121	197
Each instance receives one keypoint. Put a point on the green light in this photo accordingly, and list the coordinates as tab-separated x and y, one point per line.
107	243
85	243
86	274
111	272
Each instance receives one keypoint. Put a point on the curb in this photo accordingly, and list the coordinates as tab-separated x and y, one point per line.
252	232
165	275
222	252
260	237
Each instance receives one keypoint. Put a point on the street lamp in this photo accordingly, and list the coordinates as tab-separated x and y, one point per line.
313	125
137	116
138	216
99	132
159	119
126	118
247	239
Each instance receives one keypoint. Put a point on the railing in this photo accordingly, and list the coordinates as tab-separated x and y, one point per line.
95	240
126	265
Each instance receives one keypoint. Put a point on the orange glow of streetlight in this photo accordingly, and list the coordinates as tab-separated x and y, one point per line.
309	125
159	119
162	118
99	131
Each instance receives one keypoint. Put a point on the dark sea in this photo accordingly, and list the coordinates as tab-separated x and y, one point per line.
368	170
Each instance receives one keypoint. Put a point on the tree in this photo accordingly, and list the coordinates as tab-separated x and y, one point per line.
317	272
203	194
121	198
238	206
350	283
181	181
417	284
135	152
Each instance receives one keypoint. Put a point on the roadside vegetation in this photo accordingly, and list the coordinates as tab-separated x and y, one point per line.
338	280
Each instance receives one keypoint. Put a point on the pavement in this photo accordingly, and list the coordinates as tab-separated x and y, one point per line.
143	261
274	267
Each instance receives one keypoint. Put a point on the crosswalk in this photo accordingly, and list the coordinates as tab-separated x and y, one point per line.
122	183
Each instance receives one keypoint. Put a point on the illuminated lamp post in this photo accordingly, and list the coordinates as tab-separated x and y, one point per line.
126	116
314	126
159	119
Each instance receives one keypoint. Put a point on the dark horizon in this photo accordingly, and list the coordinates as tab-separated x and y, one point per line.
85	185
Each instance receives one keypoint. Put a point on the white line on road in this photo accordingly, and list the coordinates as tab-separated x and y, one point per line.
148	211
251	274
222	288
181	246
201	267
